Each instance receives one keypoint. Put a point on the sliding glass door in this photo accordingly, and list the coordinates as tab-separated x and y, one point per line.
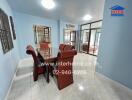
84	40
94	41
90	37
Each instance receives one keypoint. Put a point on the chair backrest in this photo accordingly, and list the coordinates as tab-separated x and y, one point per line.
29	46
64	61
66	54
65	57
31	51
68	47
44	46
61	47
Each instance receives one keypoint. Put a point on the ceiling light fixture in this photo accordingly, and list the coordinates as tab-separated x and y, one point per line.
48	4
87	17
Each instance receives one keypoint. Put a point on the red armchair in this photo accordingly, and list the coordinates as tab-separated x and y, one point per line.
37	68
29	47
65	47
64	73
61	47
68	47
46	48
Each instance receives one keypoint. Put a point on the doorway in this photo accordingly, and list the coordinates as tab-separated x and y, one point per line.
90	37
94	41
70	37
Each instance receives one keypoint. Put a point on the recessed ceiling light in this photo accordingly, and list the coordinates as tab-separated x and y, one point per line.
48	4
87	17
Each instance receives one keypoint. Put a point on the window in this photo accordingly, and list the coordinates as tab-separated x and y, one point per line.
42	34
5	33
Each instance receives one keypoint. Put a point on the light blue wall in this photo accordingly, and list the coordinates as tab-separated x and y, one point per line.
24	28
115	51
8	61
24	25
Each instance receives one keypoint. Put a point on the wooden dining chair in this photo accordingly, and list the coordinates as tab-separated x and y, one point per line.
29	46
61	47
46	48
39	67
64	72
68	47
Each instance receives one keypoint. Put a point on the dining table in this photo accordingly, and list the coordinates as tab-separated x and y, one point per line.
48	58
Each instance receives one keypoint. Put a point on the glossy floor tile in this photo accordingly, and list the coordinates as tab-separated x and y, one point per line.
88	85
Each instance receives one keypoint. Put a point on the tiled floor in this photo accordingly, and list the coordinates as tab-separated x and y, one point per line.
87	86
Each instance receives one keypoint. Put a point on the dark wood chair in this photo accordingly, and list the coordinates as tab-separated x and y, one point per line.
61	47
38	68
46	48
29	46
68	47
62	72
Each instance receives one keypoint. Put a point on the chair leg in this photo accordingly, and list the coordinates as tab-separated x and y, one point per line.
47	74
51	71
35	76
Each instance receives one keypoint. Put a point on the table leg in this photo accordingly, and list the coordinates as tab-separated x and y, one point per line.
47	72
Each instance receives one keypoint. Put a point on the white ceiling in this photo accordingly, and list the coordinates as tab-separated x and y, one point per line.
67	10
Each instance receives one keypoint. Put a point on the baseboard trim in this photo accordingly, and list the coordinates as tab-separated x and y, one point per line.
11	83
117	84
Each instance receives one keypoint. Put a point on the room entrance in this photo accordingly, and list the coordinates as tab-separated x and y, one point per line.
90	37
70	37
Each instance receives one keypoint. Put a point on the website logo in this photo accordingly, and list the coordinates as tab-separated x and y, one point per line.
117	11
